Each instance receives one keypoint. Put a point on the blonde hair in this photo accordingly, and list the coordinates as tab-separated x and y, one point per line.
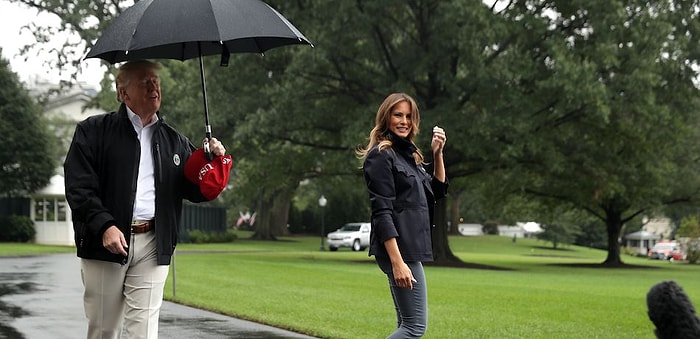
127	70
380	136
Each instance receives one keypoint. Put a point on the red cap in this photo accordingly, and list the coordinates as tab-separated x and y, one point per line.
212	177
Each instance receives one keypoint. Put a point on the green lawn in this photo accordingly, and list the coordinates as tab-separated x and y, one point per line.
17	249
538	293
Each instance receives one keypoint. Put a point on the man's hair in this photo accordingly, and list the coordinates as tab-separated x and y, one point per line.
127	70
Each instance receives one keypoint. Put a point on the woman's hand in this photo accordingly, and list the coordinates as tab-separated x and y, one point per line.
439	140
403	275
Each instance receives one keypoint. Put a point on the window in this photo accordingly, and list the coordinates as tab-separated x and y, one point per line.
50	209
39	209
61	215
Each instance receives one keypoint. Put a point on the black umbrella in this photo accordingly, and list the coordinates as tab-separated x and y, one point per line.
185	29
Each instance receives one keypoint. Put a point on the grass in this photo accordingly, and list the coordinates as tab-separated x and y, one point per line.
18	249
538	293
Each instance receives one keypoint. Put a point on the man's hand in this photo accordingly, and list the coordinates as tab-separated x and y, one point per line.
216	147
113	240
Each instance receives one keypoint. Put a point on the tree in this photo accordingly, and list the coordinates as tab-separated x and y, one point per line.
603	114
84	19
27	159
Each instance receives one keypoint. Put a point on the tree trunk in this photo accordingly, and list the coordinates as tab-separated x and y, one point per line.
441	247
273	214
263	220
280	214
455	201
613	223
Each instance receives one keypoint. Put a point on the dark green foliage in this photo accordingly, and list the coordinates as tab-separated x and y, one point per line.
689	233
27	155
16	228
490	227
693	255
592	235
200	237
558	234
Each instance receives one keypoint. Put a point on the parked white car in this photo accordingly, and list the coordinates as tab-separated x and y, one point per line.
354	235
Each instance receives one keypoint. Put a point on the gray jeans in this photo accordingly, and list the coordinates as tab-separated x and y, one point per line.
411	305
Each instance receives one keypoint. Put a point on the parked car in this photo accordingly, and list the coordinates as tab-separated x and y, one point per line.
665	250
678	256
354	235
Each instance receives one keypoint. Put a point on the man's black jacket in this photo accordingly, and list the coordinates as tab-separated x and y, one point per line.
101	170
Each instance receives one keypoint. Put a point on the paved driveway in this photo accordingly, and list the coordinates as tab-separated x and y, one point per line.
41	297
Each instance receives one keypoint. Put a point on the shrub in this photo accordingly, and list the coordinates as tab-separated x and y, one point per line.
693	254
16	228
690	228
199	237
490	227
631	251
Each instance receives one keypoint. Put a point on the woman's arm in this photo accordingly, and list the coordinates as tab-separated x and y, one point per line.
378	176
437	144
402	273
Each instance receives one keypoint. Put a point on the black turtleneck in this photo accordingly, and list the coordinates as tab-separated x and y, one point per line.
402	146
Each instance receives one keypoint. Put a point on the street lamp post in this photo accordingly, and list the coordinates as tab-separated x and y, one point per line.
322	202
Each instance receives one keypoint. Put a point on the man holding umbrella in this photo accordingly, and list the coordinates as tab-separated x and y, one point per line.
126	175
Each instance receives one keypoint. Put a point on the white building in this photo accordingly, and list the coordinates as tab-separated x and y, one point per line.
519	230
51	214
663	227
641	241
48	207
652	231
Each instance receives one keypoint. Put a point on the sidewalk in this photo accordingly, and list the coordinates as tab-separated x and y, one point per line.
41	297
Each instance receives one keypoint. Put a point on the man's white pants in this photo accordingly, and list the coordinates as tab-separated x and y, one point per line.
130	294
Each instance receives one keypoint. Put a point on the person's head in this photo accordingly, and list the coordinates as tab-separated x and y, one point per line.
399	114
670	310
138	86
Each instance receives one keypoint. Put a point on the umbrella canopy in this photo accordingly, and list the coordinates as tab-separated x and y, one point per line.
185	29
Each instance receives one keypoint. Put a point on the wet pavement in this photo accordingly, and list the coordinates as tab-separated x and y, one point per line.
41	297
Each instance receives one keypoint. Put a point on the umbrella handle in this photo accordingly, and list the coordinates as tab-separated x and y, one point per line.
207	150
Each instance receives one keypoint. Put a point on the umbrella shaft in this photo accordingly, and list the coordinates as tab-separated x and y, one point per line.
204	91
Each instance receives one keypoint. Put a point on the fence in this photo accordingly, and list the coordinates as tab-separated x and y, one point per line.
14	206
208	219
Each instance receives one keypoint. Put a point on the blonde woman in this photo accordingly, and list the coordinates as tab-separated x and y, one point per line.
402	196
